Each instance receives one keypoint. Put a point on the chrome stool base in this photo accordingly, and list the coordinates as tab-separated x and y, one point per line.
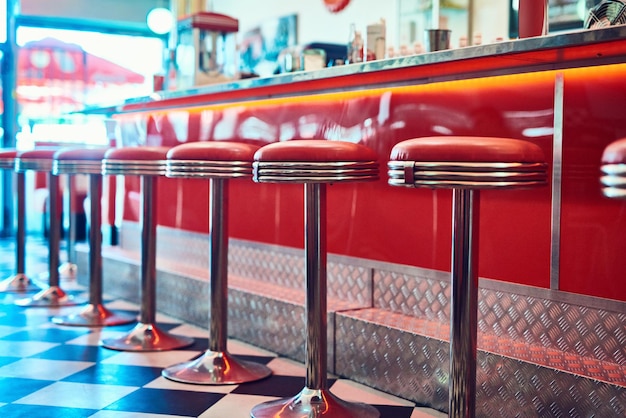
216	368
19	283
68	271
53	297
94	316
147	337
313	403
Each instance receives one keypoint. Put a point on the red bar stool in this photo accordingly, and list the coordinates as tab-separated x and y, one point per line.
219	162
315	163
53	296
148	163
614	170
72	161
465	165
19	282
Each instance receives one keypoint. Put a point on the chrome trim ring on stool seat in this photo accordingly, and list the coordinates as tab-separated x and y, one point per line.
443	174
88	161
19	282
315	163
614	170
41	160
219	162
7	158
148	162
465	165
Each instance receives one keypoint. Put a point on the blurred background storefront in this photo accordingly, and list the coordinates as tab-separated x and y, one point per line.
58	57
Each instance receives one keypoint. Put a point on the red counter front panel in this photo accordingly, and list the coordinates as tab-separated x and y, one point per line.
413	226
593	228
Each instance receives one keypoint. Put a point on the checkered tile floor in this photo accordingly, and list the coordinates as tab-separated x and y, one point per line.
52	371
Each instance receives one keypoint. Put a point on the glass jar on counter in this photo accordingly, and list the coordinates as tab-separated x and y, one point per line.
313	59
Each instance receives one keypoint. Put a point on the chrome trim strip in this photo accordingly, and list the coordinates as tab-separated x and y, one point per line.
473	175
443	183
557	175
311	179
134	167
208	169
76	167
614	168
613	181
475	167
314	172
7	164
36	164
308	165
466	175
614	193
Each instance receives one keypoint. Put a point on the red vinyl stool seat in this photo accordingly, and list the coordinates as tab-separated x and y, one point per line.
72	161
465	165
148	163
41	160
614	170
19	282
219	162
315	163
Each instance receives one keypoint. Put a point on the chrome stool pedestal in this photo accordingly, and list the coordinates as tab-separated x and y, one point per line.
315	163
69	270
19	282
148	163
72	161
465	165
219	162
54	295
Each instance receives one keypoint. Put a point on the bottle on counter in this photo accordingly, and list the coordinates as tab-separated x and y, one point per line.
477	39
355	46
376	43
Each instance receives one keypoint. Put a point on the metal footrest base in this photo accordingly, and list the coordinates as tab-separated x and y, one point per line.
147	337
216	368
51	297
68	271
313	403
20	283
94	316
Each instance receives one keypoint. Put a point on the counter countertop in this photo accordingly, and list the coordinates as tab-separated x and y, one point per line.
577	49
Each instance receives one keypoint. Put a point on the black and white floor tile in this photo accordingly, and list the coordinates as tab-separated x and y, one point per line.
53	371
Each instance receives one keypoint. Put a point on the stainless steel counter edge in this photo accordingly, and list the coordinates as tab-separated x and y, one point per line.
514	51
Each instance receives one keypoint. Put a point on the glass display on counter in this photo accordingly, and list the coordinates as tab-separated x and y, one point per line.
206	50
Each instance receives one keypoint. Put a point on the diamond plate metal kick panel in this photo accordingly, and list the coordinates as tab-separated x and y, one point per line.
541	353
397	354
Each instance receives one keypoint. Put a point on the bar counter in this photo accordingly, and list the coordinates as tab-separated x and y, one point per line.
552	298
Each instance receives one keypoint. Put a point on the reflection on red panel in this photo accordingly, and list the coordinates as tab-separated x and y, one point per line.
593	228
411	226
